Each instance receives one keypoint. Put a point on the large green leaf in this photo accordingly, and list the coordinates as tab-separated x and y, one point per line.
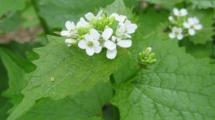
11	6
56	12
63	71
16	67
85	106
177	87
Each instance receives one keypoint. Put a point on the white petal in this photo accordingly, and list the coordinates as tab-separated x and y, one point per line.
121	30
195	20
90	51
95	34
180	37
114	15
97	49
100	13
65	33
183	12
172	35
88	37
111	54
127	35
192	21
82	23
171	18
149	49
198	27
176	12
89	16
68	42
180	30
107	33
82	44
192	32
70	25
124	43
174	29
186	25
131	28
110	45
119	18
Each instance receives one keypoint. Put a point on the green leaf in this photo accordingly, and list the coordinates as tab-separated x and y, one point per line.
131	3
85	106
198	51
16	67
204	4
10	23
55	13
11	6
177	87
4	103
62	72
30	17
4	107
165	3
146	26
114	8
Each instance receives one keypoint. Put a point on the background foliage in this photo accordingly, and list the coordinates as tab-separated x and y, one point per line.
42	79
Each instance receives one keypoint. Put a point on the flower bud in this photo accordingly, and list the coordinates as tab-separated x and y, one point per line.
147	57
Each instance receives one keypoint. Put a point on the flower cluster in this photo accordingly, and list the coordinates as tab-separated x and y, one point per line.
96	32
182	25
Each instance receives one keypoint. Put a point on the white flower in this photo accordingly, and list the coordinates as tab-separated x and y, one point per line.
88	35
176	33
192	24
69	42
112	44
91	43
82	23
107	35
70	29
180	12
119	18
90	16
171	19
121	37
126	29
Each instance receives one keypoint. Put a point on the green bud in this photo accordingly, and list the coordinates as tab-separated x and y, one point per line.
100	24
82	31
147	57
